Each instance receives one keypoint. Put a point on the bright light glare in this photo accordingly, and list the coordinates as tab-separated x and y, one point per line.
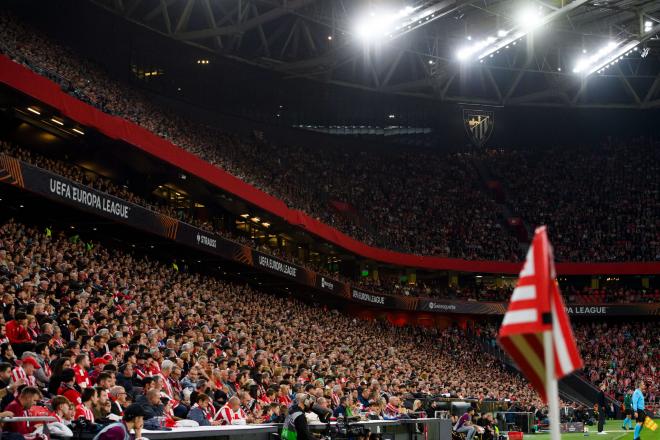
609	54
379	23
502	33
529	18
466	52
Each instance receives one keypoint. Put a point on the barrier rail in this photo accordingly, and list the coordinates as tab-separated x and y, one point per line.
40	419
404	429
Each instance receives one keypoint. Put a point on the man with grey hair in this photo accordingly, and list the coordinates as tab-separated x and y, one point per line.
118	399
170	390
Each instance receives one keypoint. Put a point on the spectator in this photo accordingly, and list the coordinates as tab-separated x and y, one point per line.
118	400
232	413
464	424
61	409
20	407
153	407
132	420
89	400
202	412
81	368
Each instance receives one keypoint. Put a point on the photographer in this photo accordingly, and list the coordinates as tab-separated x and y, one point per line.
295	425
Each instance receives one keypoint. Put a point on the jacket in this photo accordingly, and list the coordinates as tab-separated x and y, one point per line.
295	426
17	333
198	415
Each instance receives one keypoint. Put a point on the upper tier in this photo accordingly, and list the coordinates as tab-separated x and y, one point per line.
48	92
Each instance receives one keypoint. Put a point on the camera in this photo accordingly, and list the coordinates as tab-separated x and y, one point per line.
343	430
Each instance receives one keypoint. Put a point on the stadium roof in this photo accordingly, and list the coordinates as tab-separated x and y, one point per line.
416	56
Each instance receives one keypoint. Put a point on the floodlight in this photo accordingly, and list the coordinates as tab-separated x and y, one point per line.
607	56
529	18
378	24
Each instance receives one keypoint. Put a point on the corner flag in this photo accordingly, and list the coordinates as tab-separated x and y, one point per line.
536	307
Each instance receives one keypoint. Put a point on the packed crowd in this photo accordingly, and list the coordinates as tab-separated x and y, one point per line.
616	354
89	330
413	201
383	284
600	204
621	355
102	328
391	200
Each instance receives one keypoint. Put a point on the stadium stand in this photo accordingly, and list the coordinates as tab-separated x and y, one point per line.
95	324
459	220
573	295
119	308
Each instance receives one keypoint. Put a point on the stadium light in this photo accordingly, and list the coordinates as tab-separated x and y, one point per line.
378	24
648	25
529	18
608	55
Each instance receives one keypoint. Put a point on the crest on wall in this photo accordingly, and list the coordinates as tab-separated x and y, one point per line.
479	125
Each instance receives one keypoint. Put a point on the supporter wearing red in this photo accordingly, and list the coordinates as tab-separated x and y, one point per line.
80	368
392	410
98	363
20	407
89	399
68	386
17	333
232	413
61	409
25	371
142	366
284	396
203	412
168	389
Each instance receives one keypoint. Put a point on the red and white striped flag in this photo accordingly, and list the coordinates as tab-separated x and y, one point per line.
536	306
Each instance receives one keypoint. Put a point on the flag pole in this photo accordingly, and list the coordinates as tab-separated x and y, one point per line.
551	387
